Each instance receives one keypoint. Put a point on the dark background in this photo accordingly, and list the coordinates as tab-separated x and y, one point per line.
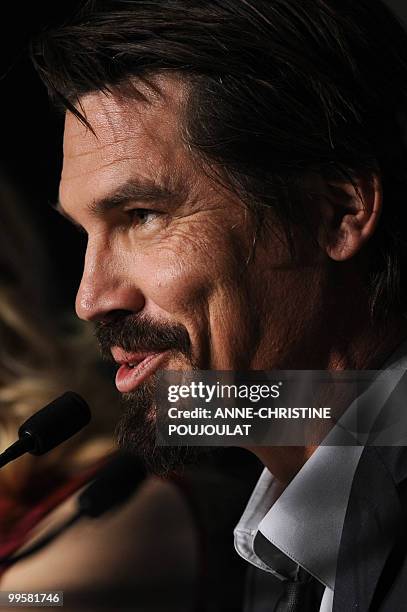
31	139
31	143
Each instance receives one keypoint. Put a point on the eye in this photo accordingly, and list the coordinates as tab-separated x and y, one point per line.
141	216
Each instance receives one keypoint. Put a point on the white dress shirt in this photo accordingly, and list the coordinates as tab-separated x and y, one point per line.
302	526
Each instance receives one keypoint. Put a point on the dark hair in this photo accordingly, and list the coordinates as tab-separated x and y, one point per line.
279	88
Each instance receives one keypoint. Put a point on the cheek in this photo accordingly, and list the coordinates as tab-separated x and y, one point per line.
176	275
203	286
179	284
185	269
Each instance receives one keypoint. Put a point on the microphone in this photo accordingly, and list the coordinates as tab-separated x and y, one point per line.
48	427
115	483
112	487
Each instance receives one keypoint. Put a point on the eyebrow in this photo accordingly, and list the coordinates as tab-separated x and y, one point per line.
132	190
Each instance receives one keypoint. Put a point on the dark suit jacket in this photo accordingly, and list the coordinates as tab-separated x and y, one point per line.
372	564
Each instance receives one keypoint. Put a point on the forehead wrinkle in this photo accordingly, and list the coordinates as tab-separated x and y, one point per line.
107	106
97	149
107	156
77	146
87	171
114	115
117	118
148	138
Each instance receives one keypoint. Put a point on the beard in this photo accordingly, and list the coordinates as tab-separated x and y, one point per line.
136	431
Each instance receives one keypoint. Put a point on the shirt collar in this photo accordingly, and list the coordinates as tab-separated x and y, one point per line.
296	528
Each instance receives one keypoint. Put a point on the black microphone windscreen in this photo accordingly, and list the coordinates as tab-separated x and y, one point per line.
56	422
113	485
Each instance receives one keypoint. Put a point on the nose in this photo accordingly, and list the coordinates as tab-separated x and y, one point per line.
104	290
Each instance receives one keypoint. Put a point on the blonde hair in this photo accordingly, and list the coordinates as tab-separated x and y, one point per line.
41	357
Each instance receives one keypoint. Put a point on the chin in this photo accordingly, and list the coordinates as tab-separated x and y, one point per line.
136	433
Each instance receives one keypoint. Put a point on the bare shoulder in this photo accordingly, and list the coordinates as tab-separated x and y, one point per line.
150	539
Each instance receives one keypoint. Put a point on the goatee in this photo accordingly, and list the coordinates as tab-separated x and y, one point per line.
136	429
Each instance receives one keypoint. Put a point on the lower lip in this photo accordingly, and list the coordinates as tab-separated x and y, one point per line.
128	379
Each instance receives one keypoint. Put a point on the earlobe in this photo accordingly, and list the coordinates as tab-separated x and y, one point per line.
350	214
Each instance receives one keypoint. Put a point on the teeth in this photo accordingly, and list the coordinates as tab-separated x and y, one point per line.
131	365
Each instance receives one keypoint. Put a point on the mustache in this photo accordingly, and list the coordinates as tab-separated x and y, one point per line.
141	333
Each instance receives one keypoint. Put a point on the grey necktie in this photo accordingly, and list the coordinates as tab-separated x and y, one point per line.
301	595
266	593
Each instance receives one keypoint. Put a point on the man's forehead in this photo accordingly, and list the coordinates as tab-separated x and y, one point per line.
117	118
107	115
135	143
132	137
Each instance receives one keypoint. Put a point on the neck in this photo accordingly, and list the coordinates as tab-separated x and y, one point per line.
368	348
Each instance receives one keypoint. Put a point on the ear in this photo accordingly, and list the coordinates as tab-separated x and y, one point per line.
349	213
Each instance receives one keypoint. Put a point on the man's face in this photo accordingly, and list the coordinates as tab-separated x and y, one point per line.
170	277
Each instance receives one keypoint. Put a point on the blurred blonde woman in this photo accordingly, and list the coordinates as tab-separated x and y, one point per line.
41	357
148	544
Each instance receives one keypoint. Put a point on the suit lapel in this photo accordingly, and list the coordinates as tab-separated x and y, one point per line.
372	521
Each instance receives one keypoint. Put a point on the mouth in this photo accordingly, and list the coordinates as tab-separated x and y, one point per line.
135	367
